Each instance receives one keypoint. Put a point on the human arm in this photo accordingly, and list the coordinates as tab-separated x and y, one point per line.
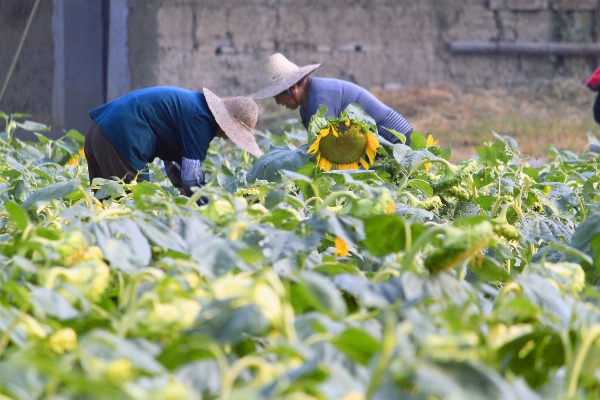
186	176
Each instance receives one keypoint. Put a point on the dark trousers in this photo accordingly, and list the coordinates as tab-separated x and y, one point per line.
104	161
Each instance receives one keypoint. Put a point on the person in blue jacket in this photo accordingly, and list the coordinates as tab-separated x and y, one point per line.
293	87
171	123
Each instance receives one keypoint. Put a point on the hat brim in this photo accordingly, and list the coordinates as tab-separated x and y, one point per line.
275	87
239	134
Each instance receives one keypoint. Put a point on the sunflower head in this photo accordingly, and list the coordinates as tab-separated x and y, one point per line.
343	144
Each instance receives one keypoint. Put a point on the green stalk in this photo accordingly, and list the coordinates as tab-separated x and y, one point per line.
409	255
235	370
334	196
591	336
387	350
6	336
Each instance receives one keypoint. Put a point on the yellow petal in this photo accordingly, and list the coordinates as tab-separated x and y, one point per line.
334	132
324	132
371	154
321	163
341	247
431	140
364	163
315	146
372	141
327	165
347	123
391	208
354	165
427	166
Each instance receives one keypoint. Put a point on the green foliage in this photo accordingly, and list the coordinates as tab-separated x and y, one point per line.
416	279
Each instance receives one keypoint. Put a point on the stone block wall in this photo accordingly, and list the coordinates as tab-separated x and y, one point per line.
377	43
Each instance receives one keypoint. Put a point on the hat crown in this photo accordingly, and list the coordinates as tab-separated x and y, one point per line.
242	110
279	74
276	67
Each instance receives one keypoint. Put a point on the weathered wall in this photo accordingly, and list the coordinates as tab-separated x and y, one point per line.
384	43
30	88
375	43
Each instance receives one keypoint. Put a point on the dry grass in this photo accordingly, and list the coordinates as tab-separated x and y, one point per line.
557	115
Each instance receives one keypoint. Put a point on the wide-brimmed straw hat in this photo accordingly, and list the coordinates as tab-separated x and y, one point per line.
279	74
237	117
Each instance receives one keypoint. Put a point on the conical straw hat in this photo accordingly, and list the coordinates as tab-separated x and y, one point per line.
279	74
237	117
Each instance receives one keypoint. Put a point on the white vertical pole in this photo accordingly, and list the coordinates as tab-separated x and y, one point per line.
58	90
118	56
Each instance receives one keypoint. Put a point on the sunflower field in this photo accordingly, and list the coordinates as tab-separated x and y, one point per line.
409	278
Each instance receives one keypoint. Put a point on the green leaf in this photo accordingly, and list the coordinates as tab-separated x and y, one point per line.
348	228
49	302
20	191
318	292
385	234
487	269
467	380
32	126
486	202
268	166
533	356
494	153
51	192
122	244
419	184
17	214
111	189
417	141
225	324
75	135
357	345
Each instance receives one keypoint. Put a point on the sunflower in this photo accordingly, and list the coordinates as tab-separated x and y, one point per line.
343	144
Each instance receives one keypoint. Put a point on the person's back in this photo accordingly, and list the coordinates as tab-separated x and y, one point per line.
292	87
337	94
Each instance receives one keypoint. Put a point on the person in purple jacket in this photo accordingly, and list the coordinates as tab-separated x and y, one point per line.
166	122
293	87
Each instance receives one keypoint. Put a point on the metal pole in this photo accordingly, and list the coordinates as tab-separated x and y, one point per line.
526	48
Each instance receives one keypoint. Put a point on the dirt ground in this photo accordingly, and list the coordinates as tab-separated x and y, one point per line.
555	115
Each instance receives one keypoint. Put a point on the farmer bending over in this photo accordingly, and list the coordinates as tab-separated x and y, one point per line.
171	123
292	87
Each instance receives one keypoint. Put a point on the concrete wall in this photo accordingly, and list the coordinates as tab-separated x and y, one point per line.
375	43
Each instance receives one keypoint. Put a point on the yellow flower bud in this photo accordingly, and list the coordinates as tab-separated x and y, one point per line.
268	301
31	326
62	340
119	371
175	391
93	252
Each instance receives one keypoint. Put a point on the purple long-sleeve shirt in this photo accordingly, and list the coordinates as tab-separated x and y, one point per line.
337	94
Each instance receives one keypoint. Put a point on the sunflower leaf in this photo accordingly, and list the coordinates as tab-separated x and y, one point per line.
268	167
